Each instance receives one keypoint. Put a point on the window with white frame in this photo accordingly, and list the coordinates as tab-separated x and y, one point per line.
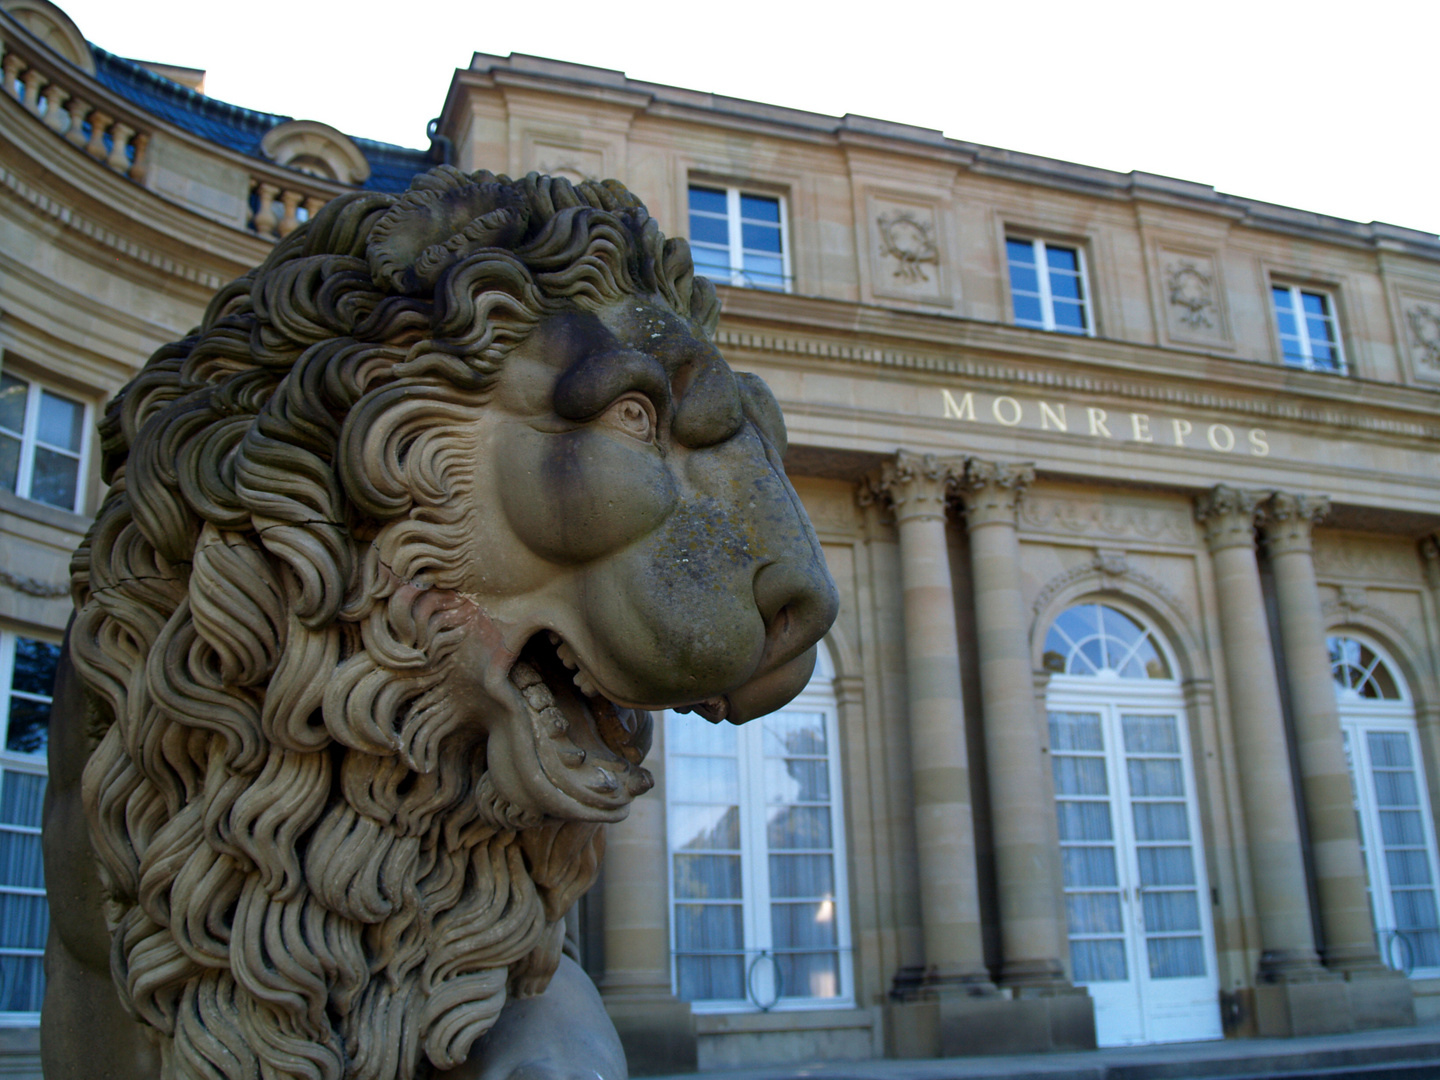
1047	286
1309	333
42	443
1392	804
27	673
757	857
739	238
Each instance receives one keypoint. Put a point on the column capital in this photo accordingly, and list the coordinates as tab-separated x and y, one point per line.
916	485
1287	520
992	490
1227	515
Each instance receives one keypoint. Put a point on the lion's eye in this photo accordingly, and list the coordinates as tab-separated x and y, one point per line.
634	414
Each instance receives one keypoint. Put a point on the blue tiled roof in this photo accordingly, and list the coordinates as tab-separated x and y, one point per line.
391	167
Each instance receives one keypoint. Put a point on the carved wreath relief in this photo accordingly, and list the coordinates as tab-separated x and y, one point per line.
399	551
1191	290
910	242
1424	321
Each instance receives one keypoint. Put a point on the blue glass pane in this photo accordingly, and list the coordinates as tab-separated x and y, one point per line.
759	208
20	860
1319	330
1020	251
56	479
711	262
9	462
710	978
802	926
1066	286
1282	299
35	664
1098	961
708	200
1312	303
21	798
706	927
29	728
1024	279
1287	323
764	271
22	983
1069	316
61	421
760	237
1079	620
12	403
24	921
707	877
1027	310
1062	258
1323	356
708	230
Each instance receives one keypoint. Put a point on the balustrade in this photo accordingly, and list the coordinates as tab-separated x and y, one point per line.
112	141
278	211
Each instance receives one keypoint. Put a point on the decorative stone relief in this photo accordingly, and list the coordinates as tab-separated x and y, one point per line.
1192	298
1192	291
907	253
1111	570
910	242
1423	321
1361	558
32	587
1060	515
316	149
574	163
343	775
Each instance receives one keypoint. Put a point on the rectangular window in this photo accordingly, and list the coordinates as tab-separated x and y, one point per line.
27	675
757	860
1309	335
737	238
1047	286
42	443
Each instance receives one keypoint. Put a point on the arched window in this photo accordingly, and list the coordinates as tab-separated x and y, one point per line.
1397	832
759	904
1097	639
1136	896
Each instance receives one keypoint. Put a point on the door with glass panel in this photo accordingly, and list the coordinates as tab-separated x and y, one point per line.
1136	895
757	858
1392	804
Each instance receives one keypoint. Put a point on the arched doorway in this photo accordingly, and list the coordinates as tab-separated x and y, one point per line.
1136	895
1397	831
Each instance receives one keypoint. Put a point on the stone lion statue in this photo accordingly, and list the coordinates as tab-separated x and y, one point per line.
400	548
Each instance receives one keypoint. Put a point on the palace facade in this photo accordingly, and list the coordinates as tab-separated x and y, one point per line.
1129	728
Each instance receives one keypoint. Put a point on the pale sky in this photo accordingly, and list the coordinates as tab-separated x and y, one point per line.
1325	106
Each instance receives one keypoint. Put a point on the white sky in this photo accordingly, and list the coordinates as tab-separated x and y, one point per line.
1326	106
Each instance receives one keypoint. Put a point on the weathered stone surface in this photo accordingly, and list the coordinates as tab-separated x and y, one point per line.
400	549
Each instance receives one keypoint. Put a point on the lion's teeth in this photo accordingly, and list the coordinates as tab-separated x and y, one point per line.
554	638
538	696
604	781
588	688
567	655
572	756
558	724
524	676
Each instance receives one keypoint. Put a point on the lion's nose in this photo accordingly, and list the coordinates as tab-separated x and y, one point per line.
798	602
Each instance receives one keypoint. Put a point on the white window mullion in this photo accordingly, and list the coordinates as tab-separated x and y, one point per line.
737	236
1042	273
27	443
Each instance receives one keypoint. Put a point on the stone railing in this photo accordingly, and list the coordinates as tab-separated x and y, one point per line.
48	88
279	204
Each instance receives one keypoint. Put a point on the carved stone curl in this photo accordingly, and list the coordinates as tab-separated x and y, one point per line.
399	551
919	485
991	491
1227	515
1288	520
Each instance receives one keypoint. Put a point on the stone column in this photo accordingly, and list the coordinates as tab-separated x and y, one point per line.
656	1028
949	904
1023	812
1346	927
1272	827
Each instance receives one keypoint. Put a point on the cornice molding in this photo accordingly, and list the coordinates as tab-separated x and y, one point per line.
1265	406
68	217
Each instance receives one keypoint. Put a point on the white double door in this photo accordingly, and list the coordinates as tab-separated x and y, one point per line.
1136	895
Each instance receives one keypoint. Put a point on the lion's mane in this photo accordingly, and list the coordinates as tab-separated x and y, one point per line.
309	874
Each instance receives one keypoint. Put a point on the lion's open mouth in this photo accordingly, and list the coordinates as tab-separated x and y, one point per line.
577	726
